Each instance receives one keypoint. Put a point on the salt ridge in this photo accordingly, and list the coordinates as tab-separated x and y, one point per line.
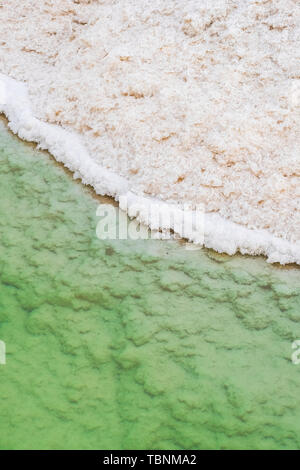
220	234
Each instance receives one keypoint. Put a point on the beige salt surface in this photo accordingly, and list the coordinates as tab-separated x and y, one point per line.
191	101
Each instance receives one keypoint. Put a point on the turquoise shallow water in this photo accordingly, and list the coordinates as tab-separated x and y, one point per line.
134	344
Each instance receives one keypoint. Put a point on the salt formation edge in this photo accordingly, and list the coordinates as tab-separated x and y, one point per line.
220	234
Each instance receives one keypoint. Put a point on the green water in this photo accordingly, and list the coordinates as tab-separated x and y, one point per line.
129	345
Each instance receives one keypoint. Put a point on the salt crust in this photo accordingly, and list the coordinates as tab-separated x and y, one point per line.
193	102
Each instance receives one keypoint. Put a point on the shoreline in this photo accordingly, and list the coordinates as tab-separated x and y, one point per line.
221	235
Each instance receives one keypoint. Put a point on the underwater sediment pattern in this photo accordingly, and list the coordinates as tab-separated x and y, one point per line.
134	344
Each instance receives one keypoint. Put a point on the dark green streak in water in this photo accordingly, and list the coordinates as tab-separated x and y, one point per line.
116	345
